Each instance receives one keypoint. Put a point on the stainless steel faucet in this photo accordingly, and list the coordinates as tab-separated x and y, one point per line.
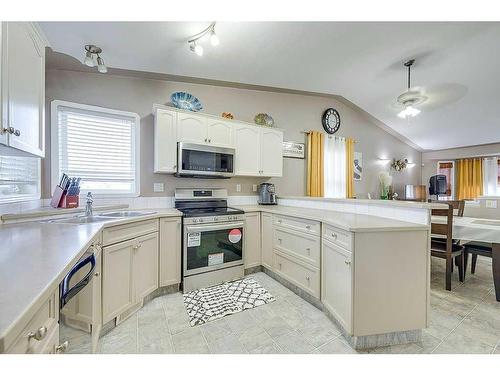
88	206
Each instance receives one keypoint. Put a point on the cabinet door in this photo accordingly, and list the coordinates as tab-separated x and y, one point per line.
191	128
252	252
117	283
267	239
145	265
220	133
170	251
271	148
165	141
336	286
26	88
247	144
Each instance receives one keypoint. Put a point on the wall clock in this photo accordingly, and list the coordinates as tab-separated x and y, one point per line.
331	120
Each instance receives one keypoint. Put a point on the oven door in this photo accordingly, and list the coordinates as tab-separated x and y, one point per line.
204	161
211	247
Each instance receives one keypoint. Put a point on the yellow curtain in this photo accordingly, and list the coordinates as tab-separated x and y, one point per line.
349	149
469	178
315	165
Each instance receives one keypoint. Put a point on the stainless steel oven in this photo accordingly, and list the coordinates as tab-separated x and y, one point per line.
194	160
210	247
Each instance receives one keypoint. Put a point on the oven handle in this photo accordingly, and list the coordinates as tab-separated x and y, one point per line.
68	293
211	227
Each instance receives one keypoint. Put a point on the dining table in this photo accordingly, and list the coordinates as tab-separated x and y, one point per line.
468	229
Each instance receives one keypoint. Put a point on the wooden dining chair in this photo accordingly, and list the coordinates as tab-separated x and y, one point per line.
446	248
476	248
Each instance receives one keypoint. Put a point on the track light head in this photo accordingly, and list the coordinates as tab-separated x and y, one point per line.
196	48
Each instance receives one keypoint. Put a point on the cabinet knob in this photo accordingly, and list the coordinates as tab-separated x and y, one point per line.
279	221
279	239
280	265
96	274
347	262
17	132
62	348
334	235
136	247
39	334
308	227
209	140
308	251
206	140
308	278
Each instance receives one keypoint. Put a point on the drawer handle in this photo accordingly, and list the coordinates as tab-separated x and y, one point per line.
39	334
308	251
308	227
308	279
348	262
62	348
280	265
279	221
280	240
334	235
136	247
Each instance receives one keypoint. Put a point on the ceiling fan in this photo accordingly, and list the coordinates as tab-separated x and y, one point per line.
411	98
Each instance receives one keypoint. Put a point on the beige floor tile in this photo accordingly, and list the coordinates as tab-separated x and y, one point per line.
215	330
227	345
337	346
294	343
270	348
240	322
190	341
461	344
428	342
412	348
276	327
319	334
178	323
479	329
254	338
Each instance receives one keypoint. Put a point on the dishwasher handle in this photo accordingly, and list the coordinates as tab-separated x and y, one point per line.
68	293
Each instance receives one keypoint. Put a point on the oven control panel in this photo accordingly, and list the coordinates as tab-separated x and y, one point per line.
213	219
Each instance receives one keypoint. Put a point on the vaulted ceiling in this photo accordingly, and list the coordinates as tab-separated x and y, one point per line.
456	65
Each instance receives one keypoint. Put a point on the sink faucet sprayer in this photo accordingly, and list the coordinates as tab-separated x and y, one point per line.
88	206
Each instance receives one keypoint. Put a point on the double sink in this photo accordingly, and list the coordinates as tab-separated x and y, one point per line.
106	216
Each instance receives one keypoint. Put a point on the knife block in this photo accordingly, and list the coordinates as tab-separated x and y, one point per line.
57	197
69	201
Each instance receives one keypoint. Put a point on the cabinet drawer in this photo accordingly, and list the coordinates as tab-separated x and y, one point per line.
45	317
304	225
338	236
124	232
304	276
303	246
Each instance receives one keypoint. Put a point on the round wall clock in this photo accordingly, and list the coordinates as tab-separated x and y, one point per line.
331	120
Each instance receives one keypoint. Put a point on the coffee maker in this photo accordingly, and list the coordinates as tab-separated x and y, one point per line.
267	194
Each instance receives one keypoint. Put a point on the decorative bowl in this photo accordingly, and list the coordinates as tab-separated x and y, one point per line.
263	119
185	100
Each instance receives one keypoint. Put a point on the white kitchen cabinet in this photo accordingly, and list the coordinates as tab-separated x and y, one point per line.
145	266
191	128
267	239
252	251
117	280
170	251
247	144
165	142
220	133
23	88
336	285
130	272
259	151
271	152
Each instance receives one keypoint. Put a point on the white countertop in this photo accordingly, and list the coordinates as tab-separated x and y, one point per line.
344	220
35	257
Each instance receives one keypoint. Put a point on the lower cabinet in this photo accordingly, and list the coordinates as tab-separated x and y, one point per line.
252	251
336	283
298	273
130	272
267	239
170	251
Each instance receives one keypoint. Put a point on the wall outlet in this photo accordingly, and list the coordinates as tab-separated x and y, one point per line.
238	188
491	204
158	187
254	187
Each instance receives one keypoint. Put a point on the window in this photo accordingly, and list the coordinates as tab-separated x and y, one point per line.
99	145
448	169
491	176
19	178
335	167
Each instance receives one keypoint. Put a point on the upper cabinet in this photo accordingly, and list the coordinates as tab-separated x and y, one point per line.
258	150
22	88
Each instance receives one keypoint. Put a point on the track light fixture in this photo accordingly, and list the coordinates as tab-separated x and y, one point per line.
209	32
93	58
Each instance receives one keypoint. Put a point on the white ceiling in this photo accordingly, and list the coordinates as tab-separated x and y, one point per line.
457	65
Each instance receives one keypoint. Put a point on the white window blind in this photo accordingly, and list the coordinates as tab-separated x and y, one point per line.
335	167
19	178
100	146
491	177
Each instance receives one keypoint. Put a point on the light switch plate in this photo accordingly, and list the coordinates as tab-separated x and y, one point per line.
491	204
254	187
158	187
238	188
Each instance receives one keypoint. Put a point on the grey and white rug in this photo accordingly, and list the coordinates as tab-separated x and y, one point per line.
206	304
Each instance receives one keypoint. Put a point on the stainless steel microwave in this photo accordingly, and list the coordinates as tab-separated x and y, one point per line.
194	160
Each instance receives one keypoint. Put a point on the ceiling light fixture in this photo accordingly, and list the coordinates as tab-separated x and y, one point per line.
208	32
410	98
93	58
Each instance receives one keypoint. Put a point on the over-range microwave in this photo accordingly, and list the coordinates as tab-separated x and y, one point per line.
194	160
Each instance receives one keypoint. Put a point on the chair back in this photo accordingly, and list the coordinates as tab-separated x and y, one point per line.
444	229
458	206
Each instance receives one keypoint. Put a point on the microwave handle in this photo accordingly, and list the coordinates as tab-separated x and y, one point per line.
211	227
68	293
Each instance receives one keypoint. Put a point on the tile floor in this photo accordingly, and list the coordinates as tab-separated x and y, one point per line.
465	320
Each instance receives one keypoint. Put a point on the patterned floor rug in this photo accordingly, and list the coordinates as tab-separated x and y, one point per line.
206	304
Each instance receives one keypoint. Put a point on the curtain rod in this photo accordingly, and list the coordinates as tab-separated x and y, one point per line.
328	135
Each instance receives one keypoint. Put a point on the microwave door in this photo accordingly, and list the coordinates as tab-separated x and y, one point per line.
204	161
